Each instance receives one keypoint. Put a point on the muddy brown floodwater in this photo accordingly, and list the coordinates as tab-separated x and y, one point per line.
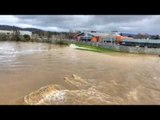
41	73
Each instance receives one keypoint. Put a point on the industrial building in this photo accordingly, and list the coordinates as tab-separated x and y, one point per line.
93	36
90	36
141	43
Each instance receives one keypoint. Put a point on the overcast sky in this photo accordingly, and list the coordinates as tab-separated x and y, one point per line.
122	23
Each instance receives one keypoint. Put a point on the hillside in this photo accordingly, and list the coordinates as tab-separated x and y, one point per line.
8	27
33	30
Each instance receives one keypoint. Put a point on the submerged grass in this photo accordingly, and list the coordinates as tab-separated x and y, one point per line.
61	42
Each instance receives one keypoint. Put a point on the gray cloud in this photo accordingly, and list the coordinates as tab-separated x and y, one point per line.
124	23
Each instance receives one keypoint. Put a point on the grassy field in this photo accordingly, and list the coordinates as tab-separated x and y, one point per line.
94	48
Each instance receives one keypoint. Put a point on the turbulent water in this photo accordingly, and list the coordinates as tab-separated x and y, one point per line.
41	73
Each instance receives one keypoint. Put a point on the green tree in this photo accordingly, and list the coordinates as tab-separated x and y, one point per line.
3	37
16	36
26	37
49	35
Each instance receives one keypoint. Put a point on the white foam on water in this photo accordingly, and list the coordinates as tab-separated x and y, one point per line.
73	46
56	97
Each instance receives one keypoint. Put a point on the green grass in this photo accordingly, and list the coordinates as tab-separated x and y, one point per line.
94	48
100	50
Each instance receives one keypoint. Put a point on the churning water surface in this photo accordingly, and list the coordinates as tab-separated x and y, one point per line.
112	78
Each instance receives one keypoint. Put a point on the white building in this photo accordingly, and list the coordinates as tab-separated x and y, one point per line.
21	32
25	33
6	31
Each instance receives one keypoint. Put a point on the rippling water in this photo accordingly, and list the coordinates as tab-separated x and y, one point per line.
121	78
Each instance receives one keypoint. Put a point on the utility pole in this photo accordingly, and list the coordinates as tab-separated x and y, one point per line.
86	36
111	41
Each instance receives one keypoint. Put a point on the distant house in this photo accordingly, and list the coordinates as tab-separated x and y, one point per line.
83	36
110	38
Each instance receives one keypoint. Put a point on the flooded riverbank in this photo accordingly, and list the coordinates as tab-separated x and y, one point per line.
118	78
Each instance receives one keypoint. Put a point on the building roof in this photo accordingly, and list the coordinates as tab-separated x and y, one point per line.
99	34
142	41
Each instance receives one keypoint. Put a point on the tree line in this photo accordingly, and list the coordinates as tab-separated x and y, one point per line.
15	36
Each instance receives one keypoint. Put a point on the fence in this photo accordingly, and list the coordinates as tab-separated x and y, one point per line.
120	48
